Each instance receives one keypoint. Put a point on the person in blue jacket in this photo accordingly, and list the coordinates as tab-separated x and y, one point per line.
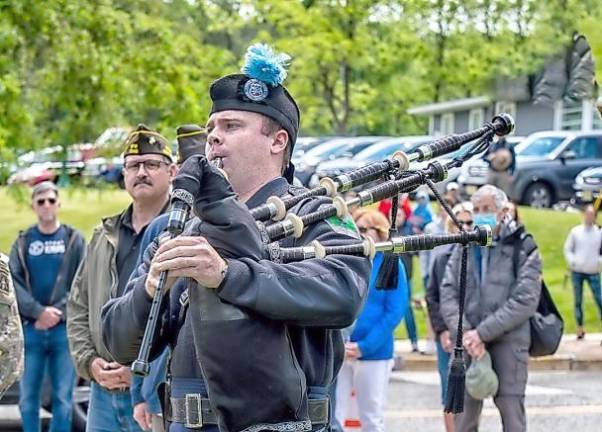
369	352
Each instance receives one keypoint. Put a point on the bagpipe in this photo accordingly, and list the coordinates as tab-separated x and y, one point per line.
259	385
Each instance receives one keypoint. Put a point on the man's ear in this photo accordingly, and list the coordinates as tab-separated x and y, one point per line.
279	142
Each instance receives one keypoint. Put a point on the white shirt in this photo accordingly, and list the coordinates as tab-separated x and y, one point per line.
582	249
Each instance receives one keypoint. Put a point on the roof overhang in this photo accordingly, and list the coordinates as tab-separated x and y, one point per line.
450	106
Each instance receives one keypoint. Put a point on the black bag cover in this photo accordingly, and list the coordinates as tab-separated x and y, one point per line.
546	326
253	379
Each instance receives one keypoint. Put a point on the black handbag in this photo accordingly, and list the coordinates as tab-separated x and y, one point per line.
547	326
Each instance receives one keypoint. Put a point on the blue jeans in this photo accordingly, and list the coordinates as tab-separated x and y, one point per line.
110	410
443	367
594	283
335	426
46	350
409	318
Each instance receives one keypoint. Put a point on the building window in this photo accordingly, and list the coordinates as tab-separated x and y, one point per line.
447	123
475	118
506	107
431	125
571	115
597	121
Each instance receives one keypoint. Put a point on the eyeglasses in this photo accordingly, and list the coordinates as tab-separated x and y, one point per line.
41	201
149	165
467	223
364	230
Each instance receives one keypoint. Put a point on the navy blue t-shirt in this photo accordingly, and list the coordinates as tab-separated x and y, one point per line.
44	256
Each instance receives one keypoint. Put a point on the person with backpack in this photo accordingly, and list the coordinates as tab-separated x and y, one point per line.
502	295
582	253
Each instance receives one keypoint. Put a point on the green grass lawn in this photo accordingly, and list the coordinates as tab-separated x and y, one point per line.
83	209
80	208
549	229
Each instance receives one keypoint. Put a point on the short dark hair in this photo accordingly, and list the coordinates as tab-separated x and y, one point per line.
270	127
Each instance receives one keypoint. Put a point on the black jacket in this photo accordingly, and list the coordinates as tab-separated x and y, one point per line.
437	272
29	308
313	298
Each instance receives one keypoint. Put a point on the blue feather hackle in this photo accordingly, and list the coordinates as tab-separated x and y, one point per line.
262	63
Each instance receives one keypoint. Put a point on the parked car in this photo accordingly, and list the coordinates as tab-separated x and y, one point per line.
33	174
305	144
105	170
330	150
547	164
47	164
378	151
587	186
81	397
473	174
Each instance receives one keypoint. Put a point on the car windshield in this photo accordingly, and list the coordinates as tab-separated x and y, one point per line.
380	152
337	149
542	146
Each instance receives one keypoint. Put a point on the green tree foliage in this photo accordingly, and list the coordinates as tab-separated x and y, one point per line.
69	70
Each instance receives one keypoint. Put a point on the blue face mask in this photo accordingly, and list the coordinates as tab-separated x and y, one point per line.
485	219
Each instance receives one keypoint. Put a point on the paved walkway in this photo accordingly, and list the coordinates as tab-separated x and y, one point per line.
572	354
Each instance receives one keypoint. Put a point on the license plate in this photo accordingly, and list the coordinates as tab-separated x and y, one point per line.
586	195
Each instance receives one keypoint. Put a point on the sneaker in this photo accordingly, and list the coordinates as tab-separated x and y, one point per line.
430	348
580	333
398	363
415	347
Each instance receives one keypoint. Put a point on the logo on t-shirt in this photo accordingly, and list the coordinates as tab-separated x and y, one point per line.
49	247
36	248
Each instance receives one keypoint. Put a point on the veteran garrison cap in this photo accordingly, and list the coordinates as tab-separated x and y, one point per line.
191	140
144	140
259	89
481	380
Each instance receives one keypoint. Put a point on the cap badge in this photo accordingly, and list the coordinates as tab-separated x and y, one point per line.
255	90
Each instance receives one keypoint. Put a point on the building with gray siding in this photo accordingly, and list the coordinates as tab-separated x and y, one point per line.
461	115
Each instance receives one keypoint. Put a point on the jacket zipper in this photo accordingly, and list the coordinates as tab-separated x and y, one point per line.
61	272
22	259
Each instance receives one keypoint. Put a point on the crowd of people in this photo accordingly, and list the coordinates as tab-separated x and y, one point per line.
500	301
44	266
84	308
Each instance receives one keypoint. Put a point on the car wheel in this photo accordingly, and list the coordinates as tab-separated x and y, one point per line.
81	397
538	195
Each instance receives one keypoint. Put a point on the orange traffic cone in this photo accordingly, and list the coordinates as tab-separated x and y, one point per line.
352	422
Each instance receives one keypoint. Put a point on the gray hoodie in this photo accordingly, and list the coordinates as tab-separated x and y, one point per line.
582	249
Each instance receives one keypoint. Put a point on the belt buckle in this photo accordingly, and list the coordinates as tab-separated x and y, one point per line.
193	402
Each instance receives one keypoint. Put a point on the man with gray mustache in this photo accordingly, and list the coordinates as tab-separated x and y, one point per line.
110	259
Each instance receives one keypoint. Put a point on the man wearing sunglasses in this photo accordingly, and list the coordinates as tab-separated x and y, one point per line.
110	259
43	263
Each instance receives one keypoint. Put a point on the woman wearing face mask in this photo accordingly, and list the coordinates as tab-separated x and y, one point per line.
369	352
503	285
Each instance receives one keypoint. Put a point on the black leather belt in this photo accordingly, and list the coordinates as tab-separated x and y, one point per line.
195	411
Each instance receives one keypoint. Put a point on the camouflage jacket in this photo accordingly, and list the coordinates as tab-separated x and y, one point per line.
11	332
